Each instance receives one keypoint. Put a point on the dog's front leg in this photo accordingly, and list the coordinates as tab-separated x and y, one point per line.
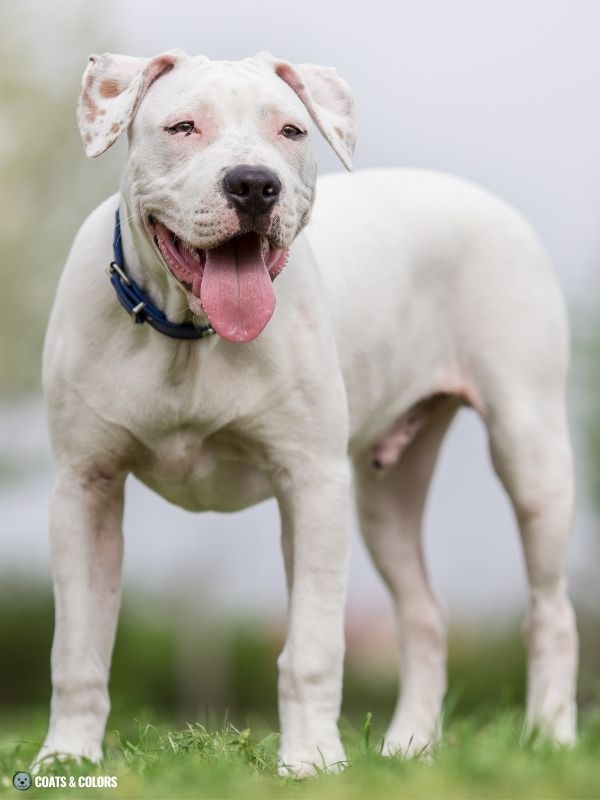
314	509
86	547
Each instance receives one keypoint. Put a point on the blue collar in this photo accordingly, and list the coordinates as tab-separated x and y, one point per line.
137	304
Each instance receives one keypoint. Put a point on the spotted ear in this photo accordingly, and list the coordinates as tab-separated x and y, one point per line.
112	89
328	100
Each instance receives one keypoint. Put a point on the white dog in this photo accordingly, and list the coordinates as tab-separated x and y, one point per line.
410	294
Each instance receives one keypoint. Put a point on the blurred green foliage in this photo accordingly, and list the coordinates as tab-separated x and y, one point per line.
47	185
164	669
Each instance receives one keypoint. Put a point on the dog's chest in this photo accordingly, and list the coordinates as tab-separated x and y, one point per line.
219	472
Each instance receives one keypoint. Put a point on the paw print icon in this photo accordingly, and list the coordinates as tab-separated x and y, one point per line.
22	781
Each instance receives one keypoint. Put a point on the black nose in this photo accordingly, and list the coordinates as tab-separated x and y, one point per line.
253	190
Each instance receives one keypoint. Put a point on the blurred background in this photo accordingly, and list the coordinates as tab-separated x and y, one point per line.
503	92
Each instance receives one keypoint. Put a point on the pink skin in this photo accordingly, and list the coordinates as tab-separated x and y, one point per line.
406	428
237	296
206	129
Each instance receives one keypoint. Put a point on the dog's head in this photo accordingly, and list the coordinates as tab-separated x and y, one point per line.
221	173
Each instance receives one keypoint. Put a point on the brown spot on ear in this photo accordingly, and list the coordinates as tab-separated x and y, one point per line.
340	133
114	128
91	109
88	138
110	88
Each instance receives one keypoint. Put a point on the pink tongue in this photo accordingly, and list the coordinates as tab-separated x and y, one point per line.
236	291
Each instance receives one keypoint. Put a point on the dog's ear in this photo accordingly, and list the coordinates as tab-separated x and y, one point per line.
328	100
112	89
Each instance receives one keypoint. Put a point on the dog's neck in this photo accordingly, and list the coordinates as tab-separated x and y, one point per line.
147	270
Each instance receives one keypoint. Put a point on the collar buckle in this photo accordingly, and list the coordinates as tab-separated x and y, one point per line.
114	267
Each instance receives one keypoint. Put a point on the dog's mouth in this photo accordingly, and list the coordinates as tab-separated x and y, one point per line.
231	283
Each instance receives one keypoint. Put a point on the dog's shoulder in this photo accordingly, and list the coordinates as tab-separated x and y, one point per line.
93	240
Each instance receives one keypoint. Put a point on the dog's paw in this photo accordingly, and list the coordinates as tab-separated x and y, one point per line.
559	728
408	745
51	752
308	762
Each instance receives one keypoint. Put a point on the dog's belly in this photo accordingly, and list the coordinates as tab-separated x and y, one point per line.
201	475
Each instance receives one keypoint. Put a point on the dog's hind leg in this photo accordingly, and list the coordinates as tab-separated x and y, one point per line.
86	546
391	506
531	453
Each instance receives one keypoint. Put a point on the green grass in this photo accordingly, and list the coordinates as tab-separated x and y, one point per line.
478	758
161	679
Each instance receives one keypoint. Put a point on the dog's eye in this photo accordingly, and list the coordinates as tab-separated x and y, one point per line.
182	127
292	132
